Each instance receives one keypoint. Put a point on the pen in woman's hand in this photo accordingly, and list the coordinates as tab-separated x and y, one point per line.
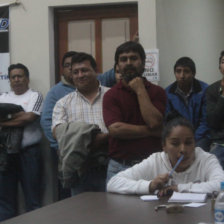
176	165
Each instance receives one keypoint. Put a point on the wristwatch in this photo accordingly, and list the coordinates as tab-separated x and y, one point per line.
9	116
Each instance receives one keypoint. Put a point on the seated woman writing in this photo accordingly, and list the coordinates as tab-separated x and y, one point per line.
199	171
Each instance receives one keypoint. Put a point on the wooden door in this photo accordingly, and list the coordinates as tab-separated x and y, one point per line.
97	30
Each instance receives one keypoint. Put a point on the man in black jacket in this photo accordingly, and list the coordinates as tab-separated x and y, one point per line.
215	113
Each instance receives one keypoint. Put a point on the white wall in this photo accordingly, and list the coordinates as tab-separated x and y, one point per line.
32	35
191	28
178	28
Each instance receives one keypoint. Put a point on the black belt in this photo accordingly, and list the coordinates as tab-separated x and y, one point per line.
128	162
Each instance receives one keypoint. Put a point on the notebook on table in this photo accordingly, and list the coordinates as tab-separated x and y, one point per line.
187	197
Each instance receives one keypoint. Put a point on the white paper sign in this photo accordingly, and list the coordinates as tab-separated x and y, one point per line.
4	80
152	65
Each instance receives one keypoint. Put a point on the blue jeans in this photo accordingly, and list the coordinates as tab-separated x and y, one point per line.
93	180
114	167
23	167
218	150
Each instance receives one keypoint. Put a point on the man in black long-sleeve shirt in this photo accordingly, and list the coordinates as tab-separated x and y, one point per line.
215	113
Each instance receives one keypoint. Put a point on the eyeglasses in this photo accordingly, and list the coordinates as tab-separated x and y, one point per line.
67	65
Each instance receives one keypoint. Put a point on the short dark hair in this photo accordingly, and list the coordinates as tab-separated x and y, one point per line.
19	66
128	47
67	55
221	56
185	62
179	121
81	56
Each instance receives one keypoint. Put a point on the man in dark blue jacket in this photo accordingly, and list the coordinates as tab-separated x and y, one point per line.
186	97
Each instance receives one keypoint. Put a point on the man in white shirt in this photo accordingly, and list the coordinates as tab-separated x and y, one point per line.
24	165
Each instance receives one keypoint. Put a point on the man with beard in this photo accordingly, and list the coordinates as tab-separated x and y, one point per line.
186	98
133	111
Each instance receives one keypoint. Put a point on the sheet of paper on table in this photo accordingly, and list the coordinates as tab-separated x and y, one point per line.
149	197
187	197
192	204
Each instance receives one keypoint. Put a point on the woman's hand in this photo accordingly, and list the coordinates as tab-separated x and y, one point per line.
159	182
167	191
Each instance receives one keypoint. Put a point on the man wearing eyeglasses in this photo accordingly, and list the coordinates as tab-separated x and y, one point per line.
58	91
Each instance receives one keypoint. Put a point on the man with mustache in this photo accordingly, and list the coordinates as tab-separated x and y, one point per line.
61	89
84	105
186	98
23	165
133	111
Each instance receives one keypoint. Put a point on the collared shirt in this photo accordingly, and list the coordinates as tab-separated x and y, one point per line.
120	104
75	107
59	91
183	95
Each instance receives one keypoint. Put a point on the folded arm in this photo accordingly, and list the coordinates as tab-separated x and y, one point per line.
129	131
20	119
131	181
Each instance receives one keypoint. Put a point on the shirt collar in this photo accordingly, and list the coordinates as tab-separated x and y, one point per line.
183	94
65	82
98	93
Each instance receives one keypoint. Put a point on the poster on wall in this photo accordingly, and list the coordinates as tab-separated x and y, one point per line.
4	49
152	65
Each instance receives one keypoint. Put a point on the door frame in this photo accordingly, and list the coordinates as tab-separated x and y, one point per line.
90	12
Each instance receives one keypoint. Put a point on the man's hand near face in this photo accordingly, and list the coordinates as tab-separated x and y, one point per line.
151	115
137	85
